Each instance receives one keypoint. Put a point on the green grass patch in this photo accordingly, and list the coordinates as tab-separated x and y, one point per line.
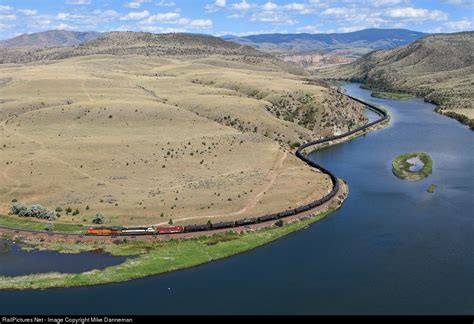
158	257
34	225
392	95
4	248
401	168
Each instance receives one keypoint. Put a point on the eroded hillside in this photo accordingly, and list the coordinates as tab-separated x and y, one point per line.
439	68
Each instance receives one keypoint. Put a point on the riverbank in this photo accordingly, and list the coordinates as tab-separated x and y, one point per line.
392	95
157	257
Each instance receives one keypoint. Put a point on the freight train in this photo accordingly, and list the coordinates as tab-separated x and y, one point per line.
161	230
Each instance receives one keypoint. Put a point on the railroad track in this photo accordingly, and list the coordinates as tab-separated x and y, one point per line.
266	218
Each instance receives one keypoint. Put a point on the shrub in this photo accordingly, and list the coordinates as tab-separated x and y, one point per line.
295	145
36	211
279	223
99	219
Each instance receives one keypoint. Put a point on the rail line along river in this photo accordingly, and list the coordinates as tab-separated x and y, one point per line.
392	248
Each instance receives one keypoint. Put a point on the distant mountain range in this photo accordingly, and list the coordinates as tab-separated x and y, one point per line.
50	38
353	44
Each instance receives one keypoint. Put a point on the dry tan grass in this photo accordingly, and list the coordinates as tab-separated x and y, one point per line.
134	137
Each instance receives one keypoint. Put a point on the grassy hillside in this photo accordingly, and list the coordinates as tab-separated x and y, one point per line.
50	38
439	68
145	139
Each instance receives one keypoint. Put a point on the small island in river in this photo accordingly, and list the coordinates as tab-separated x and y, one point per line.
412	166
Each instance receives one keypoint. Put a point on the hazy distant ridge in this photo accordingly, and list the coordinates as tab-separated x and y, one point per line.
50	38
363	40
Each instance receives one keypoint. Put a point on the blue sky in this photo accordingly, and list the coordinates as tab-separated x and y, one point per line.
238	17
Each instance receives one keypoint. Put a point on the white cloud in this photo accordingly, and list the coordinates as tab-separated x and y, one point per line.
164	30
309	29
62	26
465	3
164	3
416	13
461	25
161	18
300	8
136	15
135	4
28	12
174	18
196	23
235	16
5	8
216	6
7	17
244	5
383	3
270	6
78	2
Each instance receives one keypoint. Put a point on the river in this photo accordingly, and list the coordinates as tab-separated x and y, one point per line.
393	248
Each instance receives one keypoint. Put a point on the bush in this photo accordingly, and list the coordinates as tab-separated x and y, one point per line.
279	223
99	219
295	145
36	211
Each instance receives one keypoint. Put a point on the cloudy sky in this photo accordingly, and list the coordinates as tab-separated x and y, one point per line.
238	17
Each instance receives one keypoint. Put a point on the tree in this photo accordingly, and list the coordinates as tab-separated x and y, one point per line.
99	219
76	212
170	222
50	227
68	210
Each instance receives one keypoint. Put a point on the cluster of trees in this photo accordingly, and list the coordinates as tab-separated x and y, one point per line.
36	211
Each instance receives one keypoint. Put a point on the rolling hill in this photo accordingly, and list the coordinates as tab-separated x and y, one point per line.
50	38
439	68
148	44
151	128
353	44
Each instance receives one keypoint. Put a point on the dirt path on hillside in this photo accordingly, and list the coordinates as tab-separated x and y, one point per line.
271	176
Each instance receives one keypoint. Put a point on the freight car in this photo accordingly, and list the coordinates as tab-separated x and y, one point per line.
169	229
286	213
244	222
196	228
267	217
301	209
223	225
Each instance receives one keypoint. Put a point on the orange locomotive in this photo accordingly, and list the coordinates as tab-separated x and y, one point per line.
103	231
